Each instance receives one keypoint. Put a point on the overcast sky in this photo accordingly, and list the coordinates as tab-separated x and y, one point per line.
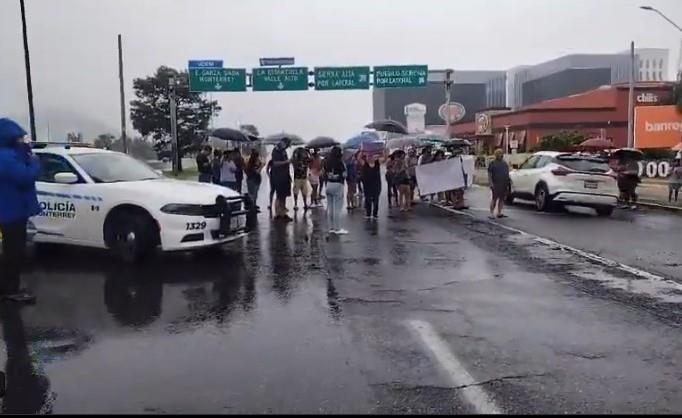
74	56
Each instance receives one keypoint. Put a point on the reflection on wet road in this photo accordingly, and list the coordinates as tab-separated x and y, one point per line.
425	312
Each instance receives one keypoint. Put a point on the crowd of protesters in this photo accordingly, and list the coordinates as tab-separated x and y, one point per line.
354	174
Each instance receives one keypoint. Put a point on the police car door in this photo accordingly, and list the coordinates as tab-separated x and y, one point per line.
62	204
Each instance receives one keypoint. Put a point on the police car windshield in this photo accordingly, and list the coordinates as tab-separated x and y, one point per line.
113	168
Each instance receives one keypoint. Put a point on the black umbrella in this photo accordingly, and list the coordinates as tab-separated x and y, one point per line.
387	126
322	142
229	134
628	154
456	143
277	138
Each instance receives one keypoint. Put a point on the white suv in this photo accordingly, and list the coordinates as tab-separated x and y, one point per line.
554	178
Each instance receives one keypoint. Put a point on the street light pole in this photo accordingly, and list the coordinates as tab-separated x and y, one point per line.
124	138
653	9
631	98
679	61
506	138
29	84
448	100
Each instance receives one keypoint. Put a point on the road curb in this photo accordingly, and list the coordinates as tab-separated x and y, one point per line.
674	209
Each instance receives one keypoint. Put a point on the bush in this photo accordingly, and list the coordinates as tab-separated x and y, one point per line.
658	154
563	141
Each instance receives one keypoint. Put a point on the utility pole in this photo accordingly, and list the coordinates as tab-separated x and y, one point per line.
174	124
29	84
631	98
124	138
506	138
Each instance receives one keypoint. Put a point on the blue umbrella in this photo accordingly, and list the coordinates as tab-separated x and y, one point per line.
356	141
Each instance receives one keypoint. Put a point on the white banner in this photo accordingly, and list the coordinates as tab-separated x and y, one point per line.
469	162
445	175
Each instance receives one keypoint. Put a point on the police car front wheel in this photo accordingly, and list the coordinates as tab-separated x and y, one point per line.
133	236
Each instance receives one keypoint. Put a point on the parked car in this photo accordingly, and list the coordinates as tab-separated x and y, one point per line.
554	179
105	199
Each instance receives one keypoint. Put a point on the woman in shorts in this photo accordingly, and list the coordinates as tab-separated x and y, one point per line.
315	167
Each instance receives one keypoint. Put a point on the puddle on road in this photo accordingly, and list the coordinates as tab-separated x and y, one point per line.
662	290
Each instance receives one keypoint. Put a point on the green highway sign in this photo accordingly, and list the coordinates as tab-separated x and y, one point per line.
217	79
280	79
400	76
341	78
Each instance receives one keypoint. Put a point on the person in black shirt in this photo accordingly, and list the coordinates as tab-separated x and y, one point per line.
371	183
300	161
253	176
280	178
204	165
216	165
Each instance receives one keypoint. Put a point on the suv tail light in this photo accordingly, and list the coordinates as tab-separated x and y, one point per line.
561	171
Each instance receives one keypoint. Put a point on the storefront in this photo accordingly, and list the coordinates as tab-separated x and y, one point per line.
600	112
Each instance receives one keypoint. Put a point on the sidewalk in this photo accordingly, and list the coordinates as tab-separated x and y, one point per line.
652	193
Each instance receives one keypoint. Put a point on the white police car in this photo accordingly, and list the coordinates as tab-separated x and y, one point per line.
104	199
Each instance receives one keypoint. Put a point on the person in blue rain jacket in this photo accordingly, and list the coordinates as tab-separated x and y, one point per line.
19	170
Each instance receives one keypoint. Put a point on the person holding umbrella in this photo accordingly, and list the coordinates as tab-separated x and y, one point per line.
281	178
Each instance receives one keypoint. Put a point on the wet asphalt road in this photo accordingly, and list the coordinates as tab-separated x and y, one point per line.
428	312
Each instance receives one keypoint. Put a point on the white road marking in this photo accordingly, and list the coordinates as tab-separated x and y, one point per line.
585	254
456	373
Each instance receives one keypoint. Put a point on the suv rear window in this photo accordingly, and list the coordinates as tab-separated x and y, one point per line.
583	163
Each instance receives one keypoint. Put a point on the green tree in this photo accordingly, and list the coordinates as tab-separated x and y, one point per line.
74	137
138	147
104	141
150	111
562	141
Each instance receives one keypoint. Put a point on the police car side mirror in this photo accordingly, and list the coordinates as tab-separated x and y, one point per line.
515	166
65	178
